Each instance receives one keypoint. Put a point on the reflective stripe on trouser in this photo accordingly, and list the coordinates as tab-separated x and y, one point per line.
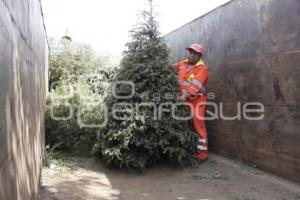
200	128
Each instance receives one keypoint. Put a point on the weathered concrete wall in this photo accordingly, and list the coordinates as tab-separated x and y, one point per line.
23	77
253	53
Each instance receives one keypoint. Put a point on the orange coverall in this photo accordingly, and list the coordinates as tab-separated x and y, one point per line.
193	81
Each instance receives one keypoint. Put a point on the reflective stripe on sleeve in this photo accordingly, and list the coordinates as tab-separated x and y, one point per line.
184	83
200	85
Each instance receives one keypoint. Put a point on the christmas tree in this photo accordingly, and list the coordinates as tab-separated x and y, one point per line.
141	128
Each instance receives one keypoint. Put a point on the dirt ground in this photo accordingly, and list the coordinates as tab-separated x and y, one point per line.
217	179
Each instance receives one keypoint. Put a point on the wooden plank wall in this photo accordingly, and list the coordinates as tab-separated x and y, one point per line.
253	55
23	87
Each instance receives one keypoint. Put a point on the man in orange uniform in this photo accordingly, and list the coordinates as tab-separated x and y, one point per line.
193	76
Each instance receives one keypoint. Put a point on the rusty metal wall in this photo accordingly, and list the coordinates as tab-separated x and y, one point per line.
253	54
23	77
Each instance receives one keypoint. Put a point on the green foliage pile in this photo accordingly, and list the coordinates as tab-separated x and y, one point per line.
78	84
64	117
140	140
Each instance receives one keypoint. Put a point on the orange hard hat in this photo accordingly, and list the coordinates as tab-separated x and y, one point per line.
196	47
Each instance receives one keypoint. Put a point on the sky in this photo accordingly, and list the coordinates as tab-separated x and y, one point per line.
105	24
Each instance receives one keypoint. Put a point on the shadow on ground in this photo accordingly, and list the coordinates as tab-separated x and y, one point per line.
218	178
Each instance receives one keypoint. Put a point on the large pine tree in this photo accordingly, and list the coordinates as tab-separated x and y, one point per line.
143	137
